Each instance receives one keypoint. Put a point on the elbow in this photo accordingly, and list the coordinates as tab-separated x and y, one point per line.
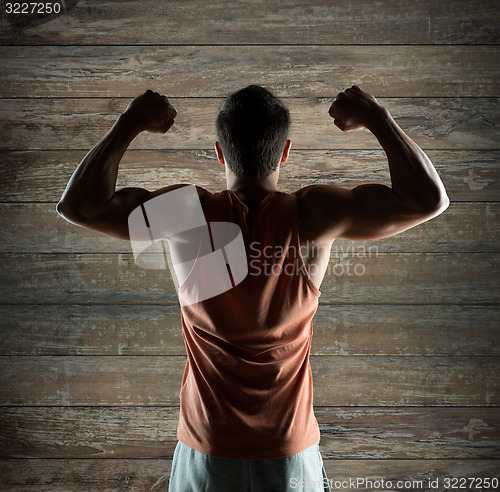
444	204
68	212
60	208
433	200
437	206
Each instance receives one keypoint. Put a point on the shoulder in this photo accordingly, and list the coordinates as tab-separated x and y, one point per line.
319	200
313	194
322	211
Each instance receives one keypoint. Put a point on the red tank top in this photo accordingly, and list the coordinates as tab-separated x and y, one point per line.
247	387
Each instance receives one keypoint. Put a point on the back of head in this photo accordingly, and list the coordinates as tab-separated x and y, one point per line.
252	128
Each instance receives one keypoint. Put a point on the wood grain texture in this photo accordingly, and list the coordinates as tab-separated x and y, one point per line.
386	278
405	381
346	433
378	433
405	330
405	356
260	22
466	227
415	475
155	381
33	176
68	475
75	475
214	71
93	381
434	123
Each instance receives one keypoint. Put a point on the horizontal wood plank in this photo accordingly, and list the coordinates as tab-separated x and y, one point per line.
68	475
434	123
257	22
467	227
214	71
32	176
346	433
92	381
369	277
406	381
378	433
431	330
75	475
413	475
91	330
156	381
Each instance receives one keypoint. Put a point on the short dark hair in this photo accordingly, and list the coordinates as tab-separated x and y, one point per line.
252	129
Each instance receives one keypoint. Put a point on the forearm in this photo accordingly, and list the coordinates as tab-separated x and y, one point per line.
413	176
93	183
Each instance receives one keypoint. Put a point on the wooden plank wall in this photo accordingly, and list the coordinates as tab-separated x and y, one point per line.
406	354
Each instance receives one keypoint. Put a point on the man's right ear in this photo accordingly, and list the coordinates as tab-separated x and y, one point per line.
286	152
220	155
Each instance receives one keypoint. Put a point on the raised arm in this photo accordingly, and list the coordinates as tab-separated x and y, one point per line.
374	211
90	199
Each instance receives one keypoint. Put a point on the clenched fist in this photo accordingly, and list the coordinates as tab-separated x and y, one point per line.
354	109
151	112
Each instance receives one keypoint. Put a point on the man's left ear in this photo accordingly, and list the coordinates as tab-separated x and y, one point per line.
286	151
220	155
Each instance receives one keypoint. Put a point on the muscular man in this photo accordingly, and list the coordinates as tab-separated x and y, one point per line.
246	419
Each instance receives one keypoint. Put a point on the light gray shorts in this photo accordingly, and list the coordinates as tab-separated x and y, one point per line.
193	471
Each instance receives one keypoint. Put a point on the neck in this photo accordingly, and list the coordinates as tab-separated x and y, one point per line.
251	190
